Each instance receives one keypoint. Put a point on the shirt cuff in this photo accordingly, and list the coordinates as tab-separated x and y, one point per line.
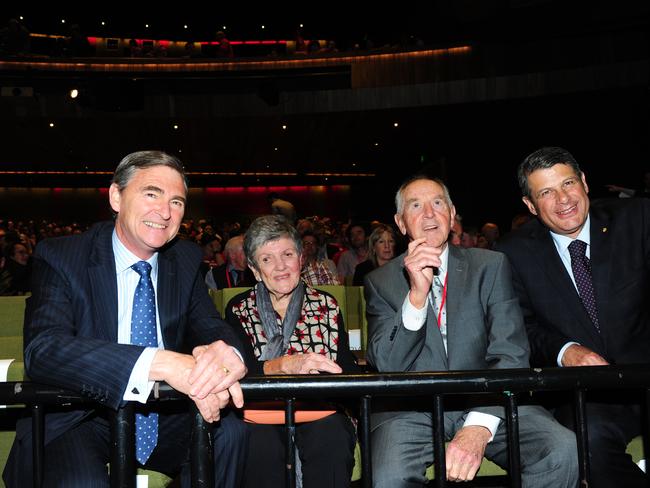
412	318
490	422
563	350
139	386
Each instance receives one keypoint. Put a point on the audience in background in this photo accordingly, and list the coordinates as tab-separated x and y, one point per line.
212	257
316	270
279	206
234	272
490	231
381	249
357	253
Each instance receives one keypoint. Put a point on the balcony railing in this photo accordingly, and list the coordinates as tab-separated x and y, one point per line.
507	383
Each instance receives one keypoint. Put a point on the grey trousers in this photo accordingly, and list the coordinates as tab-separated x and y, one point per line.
402	448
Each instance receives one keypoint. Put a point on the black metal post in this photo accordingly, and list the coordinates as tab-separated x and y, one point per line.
38	426
364	440
290	454
582	437
439	442
512	429
123	447
646	436
201	451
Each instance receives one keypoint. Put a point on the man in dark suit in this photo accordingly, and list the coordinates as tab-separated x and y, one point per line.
78	336
585	308
234	272
441	308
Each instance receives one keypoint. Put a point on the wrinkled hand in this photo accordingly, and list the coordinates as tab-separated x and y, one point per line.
419	263
309	363
218	368
175	368
577	355
465	452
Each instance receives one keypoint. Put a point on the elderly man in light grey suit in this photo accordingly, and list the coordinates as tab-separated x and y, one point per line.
440	308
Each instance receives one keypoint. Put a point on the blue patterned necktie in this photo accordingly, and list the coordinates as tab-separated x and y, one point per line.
143	333
581	267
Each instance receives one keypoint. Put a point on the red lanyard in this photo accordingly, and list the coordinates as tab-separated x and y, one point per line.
228	278
444	299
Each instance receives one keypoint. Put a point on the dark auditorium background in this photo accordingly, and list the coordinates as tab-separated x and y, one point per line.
463	89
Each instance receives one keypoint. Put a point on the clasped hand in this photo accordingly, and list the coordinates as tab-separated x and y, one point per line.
210	376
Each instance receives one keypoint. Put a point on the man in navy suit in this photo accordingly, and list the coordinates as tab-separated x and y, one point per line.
78	336
594	315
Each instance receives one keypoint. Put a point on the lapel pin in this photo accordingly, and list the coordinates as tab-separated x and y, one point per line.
604	229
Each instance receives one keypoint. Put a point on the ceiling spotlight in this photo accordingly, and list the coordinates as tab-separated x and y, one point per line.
301	26
275	148
284	127
175	126
103	23
396	124
51	124
376	144
223	27
74	93
185	26
21	17
146	26
63	21
263	27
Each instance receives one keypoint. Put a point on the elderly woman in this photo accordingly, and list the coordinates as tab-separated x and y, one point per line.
381	249
291	328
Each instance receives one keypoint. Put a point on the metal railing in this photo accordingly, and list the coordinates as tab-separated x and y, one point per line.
366	387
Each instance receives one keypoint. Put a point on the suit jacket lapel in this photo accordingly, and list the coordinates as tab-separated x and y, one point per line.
457	275
601	251
168	295
103	285
433	336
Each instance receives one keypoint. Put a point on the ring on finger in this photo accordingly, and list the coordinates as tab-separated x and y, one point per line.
225	370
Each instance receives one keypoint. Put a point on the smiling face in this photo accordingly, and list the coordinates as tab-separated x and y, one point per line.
426	212
149	209
558	196
278	266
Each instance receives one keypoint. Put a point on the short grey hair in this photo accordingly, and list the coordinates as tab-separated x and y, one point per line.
399	196
145	159
233	243
544	158
266	229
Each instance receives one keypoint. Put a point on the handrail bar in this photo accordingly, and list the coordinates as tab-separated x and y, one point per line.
365	386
